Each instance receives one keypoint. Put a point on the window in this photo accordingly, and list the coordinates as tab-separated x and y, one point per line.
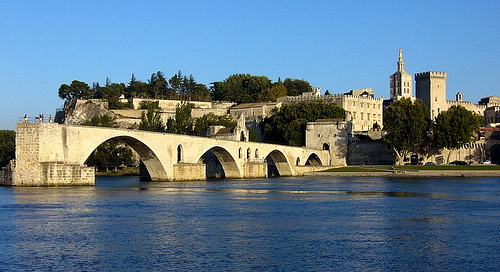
361	116
326	146
354	103
368	116
239	153
361	104
179	153
256	153
297	161
248	154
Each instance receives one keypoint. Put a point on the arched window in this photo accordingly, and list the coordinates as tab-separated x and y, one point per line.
256	153
179	153
242	137
248	154
326	146
297	161
239	153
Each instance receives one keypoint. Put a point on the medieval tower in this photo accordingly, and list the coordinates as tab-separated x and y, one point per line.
431	88
401	82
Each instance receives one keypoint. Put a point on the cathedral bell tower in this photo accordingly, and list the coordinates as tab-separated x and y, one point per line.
401	84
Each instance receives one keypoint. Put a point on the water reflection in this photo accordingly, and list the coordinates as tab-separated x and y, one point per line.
272	224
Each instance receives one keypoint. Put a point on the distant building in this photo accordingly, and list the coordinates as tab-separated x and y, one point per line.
401	82
431	89
331	135
492	116
362	108
254	110
238	133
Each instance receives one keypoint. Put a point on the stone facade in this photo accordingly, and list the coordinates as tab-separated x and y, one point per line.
37	164
362	108
431	89
254	110
401	82
331	135
492	116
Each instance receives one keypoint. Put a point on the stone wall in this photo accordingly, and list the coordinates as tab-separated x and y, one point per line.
38	158
7	174
189	171
368	152
255	170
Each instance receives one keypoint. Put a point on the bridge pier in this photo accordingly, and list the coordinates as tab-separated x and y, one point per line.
189	171
255	170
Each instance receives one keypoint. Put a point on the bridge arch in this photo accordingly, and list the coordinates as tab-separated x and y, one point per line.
276	159
151	161
313	159
229	166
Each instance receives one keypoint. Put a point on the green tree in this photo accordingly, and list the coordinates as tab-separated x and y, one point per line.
272	94
151	120
77	89
240	88
110	155
287	125
406	125
210	119
112	92
7	146
183	121
136	88
296	86
101	121
455	127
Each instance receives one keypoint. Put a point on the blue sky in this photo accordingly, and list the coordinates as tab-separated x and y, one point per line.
335	45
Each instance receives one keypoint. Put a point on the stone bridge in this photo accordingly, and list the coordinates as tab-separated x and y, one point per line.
50	154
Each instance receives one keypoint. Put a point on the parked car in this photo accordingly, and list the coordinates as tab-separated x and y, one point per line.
430	163
487	162
459	163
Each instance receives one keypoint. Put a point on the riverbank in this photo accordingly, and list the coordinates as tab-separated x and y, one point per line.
128	171
470	171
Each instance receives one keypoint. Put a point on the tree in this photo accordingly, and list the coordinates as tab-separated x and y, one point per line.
110	155
210	119
112	92
101	121
296	86
183	122
136	88
240	88
7	146
455	127
406	125
77	89
272	94
288	124
151	120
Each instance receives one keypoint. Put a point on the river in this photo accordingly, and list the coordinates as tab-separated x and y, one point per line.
281	224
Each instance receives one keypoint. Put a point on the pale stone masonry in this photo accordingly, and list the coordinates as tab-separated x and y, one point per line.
362	108
401	82
431	89
37	164
51	154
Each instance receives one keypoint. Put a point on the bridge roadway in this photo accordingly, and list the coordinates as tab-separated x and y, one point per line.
50	154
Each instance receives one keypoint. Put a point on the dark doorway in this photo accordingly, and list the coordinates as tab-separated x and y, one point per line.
495	154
